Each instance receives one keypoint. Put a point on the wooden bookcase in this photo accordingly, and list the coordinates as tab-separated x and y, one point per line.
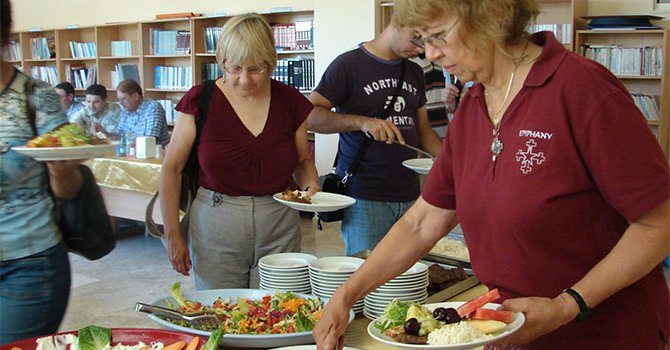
139	34
655	85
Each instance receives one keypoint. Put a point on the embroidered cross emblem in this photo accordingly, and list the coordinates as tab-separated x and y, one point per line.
528	158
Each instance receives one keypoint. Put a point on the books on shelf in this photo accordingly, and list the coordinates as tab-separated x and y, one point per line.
562	31
128	71
648	105
170	112
626	60
296	72
83	50
210	71
170	42
13	51
122	48
80	75
211	38
45	73
172	77
284	35
304	31
42	48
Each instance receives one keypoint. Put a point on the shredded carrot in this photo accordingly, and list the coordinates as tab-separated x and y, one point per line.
292	304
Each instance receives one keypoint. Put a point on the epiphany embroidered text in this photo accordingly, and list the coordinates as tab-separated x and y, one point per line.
535	134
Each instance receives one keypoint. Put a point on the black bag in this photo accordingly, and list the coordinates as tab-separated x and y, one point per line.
189	176
331	183
83	220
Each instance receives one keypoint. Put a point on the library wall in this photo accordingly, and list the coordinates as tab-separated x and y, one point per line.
59	14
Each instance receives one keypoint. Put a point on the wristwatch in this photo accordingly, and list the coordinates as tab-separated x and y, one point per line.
584	310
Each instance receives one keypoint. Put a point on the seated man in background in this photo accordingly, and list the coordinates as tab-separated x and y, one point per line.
99	115
65	91
142	117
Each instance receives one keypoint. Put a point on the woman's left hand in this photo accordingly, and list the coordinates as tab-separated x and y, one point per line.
312	190
61	168
543	315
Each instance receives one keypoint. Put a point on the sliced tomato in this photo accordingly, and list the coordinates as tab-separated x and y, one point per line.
497	315
474	304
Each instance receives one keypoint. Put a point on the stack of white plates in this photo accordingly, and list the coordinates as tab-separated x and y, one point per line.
327	274
285	272
411	286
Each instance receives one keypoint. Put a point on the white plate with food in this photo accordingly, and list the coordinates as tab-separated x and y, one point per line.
208	297
320	202
510	328
67	153
419	165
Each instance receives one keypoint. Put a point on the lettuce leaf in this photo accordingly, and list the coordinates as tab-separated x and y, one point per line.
214	340
394	315
94	338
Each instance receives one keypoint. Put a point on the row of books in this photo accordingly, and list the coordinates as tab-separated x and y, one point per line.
211	38
42	48
170	112
647	105
173	78
83	50
169	42
210	71
562	31
13	51
45	73
122	48
627	61
296	72
80	75
294	36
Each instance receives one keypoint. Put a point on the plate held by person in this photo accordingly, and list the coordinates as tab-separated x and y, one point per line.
320	202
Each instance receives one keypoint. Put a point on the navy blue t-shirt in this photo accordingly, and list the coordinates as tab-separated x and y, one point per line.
358	82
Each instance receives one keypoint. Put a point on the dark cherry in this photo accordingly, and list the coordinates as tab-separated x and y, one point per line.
412	326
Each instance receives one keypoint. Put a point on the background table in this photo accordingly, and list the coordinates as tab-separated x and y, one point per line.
127	185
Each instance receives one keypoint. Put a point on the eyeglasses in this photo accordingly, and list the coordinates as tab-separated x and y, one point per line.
237	70
435	40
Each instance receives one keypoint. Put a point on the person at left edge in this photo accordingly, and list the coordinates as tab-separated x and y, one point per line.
253	141
142	116
65	92
34	264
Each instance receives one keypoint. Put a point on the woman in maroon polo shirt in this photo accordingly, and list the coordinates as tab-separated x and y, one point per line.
560	187
253	143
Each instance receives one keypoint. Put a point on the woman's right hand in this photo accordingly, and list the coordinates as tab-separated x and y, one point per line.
178	253
329	331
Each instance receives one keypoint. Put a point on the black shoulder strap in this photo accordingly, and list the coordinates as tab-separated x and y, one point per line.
208	87
30	98
368	140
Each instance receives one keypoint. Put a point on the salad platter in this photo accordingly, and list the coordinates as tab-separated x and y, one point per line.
67	153
126	336
209	297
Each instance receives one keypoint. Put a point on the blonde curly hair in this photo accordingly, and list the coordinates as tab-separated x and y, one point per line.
485	22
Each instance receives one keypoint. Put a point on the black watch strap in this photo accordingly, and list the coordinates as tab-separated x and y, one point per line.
584	310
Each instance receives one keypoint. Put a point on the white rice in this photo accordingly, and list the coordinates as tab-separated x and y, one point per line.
455	333
451	247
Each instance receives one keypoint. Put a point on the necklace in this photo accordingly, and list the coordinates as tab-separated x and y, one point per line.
496	144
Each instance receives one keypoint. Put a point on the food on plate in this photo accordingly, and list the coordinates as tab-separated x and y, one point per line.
100	338
417	324
68	135
279	313
451	247
296	196
441	278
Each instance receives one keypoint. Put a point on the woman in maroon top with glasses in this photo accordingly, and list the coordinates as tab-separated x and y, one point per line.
253	144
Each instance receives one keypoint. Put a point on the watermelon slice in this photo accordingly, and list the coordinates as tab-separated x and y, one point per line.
497	315
474	304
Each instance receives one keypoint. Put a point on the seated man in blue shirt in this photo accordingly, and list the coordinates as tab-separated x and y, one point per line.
142	117
65	92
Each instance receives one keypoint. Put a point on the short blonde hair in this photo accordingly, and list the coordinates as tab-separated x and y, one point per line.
486	22
245	37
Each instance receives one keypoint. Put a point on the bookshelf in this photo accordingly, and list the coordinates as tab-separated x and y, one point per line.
117	44
652	82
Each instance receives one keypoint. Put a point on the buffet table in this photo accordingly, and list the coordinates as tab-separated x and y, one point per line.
127	185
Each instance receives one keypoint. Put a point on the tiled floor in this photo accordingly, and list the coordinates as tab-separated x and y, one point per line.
104	292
